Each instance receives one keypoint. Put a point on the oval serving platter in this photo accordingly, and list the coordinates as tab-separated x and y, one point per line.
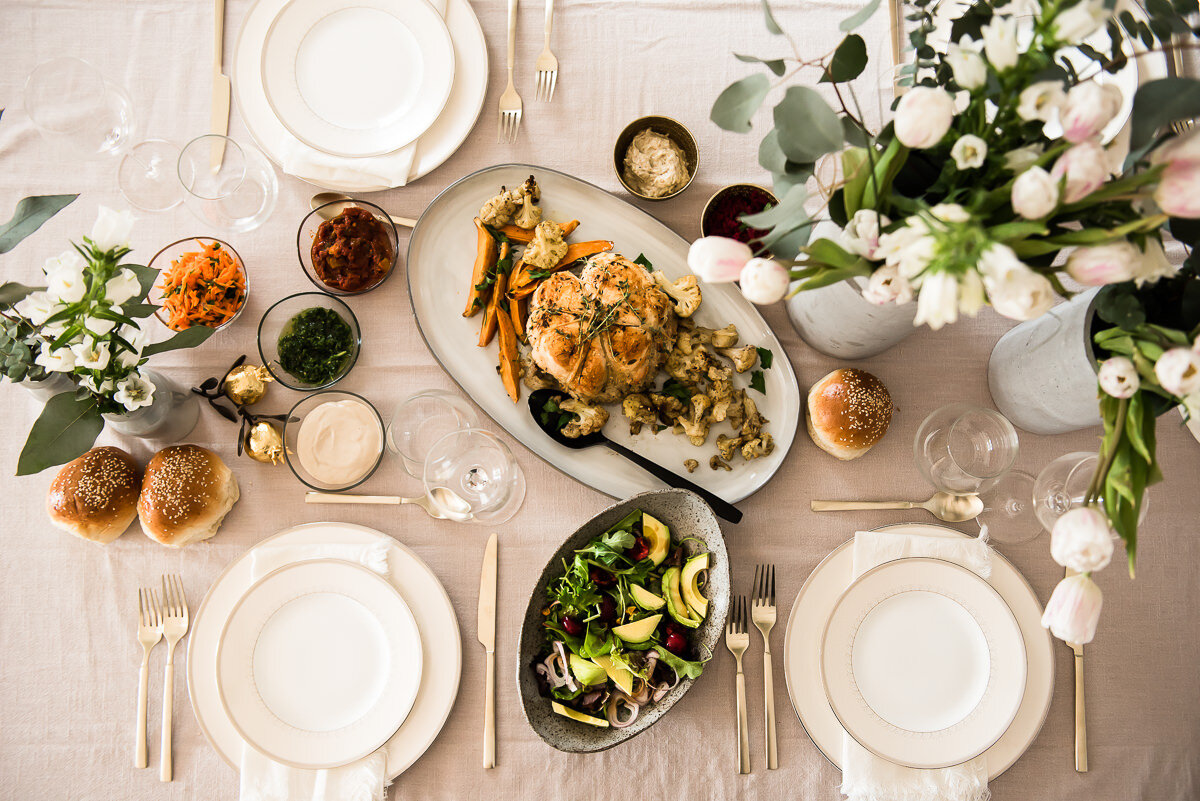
441	253
686	515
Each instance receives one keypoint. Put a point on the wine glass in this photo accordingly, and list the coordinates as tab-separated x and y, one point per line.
147	175
421	420
71	104
963	449
1062	485
1008	509
236	195
471	474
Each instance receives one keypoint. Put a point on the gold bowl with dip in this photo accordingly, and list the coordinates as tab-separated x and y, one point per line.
656	157
333	440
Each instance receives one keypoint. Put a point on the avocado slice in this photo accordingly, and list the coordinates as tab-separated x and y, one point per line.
638	630
587	671
689	584
567	712
646	599
619	674
675	604
659	537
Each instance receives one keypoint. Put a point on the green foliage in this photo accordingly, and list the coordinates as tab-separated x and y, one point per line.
66	429
775	65
765	357
736	105
758	381
29	216
848	62
1159	103
859	17
683	668
808	127
769	19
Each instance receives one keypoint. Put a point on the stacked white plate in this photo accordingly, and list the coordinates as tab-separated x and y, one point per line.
360	95
922	662
321	662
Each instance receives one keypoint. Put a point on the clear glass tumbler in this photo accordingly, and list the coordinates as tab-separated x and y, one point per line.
72	104
471	475
421	420
964	449
236	192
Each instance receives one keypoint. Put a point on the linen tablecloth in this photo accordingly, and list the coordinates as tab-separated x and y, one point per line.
68	654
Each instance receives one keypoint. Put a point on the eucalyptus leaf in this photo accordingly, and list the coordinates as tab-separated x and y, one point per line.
790	206
139	310
775	65
187	338
146	277
770	155
736	105
808	127
859	17
848	62
29	216
1159	103
66	429
12	292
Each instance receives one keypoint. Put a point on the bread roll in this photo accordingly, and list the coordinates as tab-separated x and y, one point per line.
95	496
185	495
848	411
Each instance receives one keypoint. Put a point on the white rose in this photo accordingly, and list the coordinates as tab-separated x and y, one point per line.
923	116
1085	166
969	152
65	278
1079	21
1034	194
122	287
886	285
1082	540
1089	107
1040	101
937	302
1074	609
1104	264
1000	42
1118	377
134	392
969	68
718	259
1177	192
37	307
1022	158
112	229
1015	290
59	361
91	355
764	281
1178	371
1154	264
861	234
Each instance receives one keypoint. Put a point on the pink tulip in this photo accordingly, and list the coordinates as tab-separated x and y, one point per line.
718	259
1074	609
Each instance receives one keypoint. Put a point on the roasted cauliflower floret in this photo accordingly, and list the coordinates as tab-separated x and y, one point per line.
725	337
695	423
743	358
669	407
638	409
728	446
529	214
690	368
727	404
547	247
684	292
514	206
752	426
691	465
716	464
759	446
534	378
588	419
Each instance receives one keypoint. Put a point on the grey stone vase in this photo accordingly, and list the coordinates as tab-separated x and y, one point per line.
838	321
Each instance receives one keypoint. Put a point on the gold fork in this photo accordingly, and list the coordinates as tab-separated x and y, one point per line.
1180	127
763	613
510	101
175	625
737	640
1081	764
547	64
150	629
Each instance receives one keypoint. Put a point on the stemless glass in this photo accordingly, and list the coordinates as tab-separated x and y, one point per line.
236	196
472	475
964	449
71	103
1062	485
421	420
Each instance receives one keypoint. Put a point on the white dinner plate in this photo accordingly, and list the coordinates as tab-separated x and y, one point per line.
923	663
426	598
441	253
319	663
357	78
815	602
437	144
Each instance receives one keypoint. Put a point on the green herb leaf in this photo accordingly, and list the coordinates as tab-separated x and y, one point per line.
29	216
677	389
643	261
737	103
758	381
765	357
848	62
66	429
683	667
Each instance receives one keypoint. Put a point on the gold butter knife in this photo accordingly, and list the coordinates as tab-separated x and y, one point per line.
221	90
487	638
1080	722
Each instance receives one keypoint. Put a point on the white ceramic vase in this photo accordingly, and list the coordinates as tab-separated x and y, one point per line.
171	416
53	384
838	321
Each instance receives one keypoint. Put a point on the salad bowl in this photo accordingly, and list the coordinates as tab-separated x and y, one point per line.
687	516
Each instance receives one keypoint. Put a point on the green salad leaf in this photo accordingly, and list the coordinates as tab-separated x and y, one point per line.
685	668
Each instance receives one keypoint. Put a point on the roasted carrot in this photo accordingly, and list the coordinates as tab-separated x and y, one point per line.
488	329
523	280
510	362
517	308
203	287
485	262
525	235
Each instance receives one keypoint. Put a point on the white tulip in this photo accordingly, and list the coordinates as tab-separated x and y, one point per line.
1154	264
937	302
59	361
861	234
1178	190
718	259
65	278
112	229
1015	291
764	281
1178	371
1104	264
886	285
37	307
122	287
1079	21
1074	609
969	152
969	68
134	391
971	295
923	116
1034	194
1089	107
1040	101
951	212
1082	540
1085	166
1022	158
1000	42
1119	378
910	249
91	355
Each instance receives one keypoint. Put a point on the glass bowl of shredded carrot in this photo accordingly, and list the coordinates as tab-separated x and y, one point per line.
201	281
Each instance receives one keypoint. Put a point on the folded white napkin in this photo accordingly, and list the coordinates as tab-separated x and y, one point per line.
263	779
866	777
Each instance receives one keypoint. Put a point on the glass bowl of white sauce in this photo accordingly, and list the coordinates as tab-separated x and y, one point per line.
333	440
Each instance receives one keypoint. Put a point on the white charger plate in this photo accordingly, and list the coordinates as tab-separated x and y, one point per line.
441	253
815	603
426	597
434	147
357	78
319	663
923	663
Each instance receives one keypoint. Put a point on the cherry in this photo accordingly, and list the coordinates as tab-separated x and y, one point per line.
671	627
601	578
675	643
572	626
608	609
640	549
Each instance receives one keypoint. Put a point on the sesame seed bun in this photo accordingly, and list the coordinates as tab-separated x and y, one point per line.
95	496
185	495
849	410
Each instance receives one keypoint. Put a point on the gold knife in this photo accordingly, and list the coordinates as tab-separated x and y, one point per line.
1080	721
487	638
219	122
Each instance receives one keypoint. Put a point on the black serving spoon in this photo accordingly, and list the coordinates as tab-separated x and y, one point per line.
537	407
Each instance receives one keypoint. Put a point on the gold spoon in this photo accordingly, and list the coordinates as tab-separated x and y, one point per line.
321	198
943	506
447	499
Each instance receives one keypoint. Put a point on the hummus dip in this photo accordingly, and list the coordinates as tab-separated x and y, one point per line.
654	165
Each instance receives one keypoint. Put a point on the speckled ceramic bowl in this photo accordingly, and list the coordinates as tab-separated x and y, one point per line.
687	516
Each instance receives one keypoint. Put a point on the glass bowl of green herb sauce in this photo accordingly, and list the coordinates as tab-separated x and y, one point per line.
309	341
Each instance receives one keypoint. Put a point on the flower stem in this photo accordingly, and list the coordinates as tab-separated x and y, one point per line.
1106	458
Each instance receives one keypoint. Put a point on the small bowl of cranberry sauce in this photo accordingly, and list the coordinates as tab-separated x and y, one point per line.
724	210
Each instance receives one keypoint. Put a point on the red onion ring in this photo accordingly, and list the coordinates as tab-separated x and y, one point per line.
613	710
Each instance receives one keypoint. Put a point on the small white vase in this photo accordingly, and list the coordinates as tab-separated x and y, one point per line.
838	321
170	417
45	389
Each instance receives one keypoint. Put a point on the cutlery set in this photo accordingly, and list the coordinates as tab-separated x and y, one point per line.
737	639
161	615
511	108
